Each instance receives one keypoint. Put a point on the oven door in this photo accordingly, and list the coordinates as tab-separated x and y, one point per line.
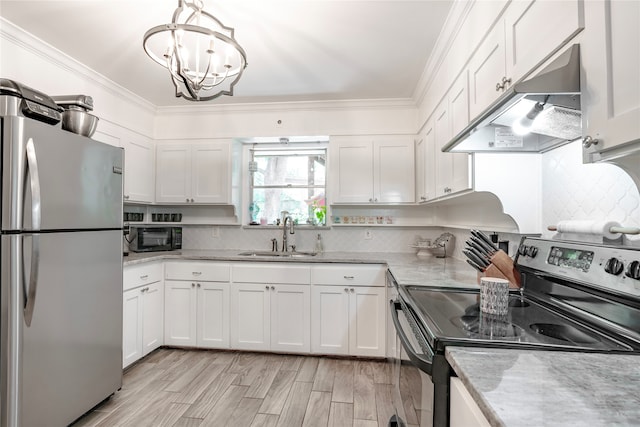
413	389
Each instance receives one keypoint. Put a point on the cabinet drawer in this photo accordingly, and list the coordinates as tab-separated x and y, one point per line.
201	271
142	274
348	274
271	273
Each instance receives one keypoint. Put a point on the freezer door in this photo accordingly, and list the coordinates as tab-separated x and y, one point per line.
72	351
56	180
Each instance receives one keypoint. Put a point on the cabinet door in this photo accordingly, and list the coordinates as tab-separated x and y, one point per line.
430	161
526	45
180	313
464	411
173	173
330	320
444	161
213	315
210	177
138	170
459	118
250	316
393	174
421	153
291	318
611	61
131	326
487	68
152	317
353	171
367	314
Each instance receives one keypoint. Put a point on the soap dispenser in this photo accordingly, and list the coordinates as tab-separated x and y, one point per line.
319	246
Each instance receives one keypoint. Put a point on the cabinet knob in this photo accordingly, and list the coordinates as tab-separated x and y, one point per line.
198	284
346	289
144	277
267	287
499	87
423	198
587	141
273	288
193	285
187	200
348	277
196	273
352	290
371	200
375	200
191	200
126	197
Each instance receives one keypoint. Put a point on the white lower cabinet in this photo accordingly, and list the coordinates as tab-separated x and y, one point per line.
197	304
348	314
143	311
269	314
464	411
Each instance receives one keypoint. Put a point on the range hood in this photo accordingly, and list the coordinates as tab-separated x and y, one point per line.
551	99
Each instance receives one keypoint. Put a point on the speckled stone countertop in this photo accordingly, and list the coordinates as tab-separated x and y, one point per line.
520	388
407	268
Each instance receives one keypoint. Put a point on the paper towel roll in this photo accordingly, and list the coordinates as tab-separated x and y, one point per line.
602	228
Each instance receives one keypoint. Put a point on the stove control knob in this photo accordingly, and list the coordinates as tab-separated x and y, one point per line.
532	251
633	270
614	266
522	250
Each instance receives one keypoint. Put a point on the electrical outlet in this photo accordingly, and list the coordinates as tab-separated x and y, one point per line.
215	232
368	234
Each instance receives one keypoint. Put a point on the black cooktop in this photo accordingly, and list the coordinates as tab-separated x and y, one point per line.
453	317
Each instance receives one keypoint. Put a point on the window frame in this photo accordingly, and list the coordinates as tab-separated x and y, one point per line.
296	149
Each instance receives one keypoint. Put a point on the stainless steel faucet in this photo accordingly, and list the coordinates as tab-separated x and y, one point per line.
286	218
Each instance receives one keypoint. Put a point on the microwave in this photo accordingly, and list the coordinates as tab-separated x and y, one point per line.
154	239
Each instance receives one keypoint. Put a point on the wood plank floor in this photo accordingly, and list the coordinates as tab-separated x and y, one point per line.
175	387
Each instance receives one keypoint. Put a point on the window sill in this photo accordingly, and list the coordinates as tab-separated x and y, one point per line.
279	227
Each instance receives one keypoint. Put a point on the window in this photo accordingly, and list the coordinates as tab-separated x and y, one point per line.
288	179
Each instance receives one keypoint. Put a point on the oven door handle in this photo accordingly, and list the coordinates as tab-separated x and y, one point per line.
420	362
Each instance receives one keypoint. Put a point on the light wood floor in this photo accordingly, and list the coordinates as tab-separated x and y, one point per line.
173	387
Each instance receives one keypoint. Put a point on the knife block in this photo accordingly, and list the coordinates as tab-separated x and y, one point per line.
502	267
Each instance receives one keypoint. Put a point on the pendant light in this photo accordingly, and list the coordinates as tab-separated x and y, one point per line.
203	58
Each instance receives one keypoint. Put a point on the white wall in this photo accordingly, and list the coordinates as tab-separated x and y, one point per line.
32	62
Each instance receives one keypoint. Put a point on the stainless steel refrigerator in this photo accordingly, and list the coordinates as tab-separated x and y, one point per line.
61	271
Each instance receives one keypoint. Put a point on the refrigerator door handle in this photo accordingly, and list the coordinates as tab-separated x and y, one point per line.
34	179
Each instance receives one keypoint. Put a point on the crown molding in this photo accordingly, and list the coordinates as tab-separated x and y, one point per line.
364	104
27	41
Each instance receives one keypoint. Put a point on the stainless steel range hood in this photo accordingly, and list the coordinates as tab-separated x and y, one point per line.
556	91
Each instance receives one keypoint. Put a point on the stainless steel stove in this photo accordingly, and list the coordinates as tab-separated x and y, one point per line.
574	297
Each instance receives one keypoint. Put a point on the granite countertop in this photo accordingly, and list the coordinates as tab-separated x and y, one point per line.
520	388
406	268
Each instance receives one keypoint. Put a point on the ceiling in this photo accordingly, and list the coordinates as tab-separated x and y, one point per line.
297	50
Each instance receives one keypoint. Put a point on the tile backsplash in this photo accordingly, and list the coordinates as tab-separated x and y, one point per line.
576	191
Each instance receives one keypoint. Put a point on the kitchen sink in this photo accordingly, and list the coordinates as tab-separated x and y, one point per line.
278	254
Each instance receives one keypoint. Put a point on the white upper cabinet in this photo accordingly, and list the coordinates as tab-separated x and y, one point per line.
535	29
453	173
426	163
138	169
138	160
372	169
530	32
610	53
193	173
487	71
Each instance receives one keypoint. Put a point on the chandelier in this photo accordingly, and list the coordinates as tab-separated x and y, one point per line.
203	57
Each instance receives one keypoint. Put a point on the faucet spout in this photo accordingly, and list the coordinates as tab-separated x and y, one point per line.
289	220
